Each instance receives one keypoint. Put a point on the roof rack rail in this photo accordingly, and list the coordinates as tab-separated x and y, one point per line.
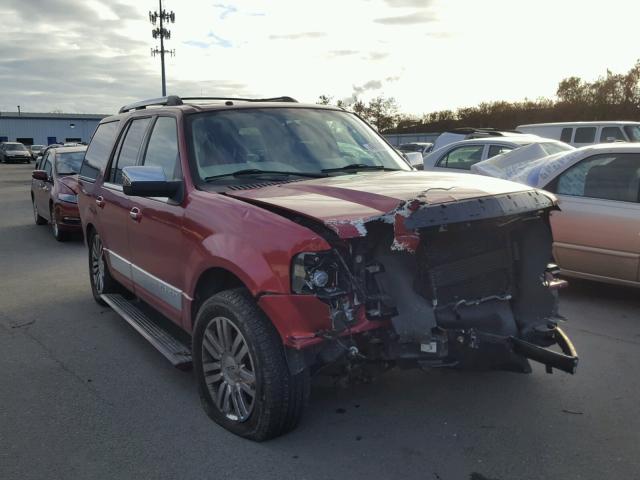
242	99
173	100
168	101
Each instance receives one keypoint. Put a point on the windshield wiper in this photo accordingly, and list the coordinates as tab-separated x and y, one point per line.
356	167
257	171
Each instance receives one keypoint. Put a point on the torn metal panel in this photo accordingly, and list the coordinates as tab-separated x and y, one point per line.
480	208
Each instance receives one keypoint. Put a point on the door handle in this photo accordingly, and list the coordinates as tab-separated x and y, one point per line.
135	214
100	201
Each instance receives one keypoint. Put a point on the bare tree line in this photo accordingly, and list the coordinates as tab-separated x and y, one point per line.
615	96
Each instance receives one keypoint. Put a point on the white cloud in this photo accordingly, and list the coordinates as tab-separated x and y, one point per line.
429	54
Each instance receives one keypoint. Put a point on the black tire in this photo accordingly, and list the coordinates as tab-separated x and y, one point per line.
36	216
279	397
107	284
59	235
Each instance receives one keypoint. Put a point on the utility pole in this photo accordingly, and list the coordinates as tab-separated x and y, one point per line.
162	33
19	114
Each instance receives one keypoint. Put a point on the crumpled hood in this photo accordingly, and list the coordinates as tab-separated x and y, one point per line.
344	203
71	182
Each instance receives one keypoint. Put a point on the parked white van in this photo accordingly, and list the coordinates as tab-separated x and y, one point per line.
580	134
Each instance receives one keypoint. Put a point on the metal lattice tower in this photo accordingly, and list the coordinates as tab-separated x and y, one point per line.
163	33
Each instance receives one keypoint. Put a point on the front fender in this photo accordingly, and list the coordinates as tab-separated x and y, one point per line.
261	263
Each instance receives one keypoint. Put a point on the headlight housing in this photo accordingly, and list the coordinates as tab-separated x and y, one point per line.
318	273
66	197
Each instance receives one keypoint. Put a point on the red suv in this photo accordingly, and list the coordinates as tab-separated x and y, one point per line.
283	239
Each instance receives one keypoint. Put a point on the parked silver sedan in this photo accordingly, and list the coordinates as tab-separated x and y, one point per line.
597	230
461	155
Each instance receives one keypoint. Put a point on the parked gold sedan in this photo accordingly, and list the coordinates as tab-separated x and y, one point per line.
597	231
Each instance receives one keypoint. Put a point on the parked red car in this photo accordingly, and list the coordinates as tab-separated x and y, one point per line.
54	191
285	238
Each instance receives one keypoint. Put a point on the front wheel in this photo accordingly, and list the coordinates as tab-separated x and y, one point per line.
59	235
99	276
243	378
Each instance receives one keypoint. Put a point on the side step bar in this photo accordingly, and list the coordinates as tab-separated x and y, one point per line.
175	351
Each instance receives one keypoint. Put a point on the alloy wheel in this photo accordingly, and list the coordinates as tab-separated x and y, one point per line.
228	369
97	264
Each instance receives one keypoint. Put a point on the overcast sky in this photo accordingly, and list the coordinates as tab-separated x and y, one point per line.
92	56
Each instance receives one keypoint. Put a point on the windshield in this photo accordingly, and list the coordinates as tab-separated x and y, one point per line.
633	132
292	140
36	148
15	146
69	163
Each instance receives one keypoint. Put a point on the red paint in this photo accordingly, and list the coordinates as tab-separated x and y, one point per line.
44	194
341	201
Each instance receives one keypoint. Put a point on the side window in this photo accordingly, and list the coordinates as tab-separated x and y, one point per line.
611	134
497	150
585	135
162	150
129	148
462	157
47	163
99	149
610	177
565	136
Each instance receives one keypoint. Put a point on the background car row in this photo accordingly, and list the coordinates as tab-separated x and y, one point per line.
14	152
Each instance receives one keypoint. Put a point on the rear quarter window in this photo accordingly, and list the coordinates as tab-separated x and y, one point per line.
97	155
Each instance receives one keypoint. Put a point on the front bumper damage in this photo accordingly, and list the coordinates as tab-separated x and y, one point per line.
461	284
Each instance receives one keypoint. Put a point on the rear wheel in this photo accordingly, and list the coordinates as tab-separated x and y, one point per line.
99	276
59	235
36	216
243	378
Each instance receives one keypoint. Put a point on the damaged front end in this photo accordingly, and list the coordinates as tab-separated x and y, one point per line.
462	284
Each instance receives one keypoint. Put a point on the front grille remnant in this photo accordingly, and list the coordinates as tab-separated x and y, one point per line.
466	264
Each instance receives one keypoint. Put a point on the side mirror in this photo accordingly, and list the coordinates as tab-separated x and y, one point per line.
148	181
40	175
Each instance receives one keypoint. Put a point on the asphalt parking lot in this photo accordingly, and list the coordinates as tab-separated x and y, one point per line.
83	396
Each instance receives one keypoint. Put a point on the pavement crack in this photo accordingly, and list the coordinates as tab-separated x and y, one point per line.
22	325
67	369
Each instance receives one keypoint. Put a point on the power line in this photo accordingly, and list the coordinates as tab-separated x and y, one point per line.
163	33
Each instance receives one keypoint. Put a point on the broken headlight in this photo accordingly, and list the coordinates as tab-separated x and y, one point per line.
318	273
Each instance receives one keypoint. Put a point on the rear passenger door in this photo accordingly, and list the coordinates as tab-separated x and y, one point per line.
155	235
114	206
597	231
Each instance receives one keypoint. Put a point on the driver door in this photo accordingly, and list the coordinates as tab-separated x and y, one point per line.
155	231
